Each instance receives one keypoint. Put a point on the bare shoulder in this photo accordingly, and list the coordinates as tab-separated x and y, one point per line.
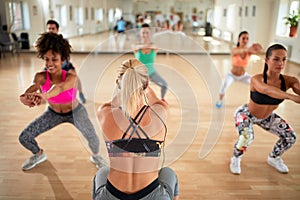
256	81
103	110
257	77
71	77
40	77
290	80
71	71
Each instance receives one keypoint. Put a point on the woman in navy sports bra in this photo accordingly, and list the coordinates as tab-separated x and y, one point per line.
55	86
133	126
267	91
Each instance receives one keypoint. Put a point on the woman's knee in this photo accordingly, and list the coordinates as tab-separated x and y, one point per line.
291	138
167	175
24	137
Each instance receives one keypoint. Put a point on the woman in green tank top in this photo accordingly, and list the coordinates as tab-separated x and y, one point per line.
146	52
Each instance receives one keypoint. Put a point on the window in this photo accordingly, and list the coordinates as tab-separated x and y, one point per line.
79	16
118	13
111	16
16	15
99	14
286	7
61	14
294	7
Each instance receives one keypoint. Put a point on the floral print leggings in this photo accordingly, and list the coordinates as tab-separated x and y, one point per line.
274	124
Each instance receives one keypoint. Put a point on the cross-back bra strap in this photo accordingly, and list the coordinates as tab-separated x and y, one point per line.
132	121
136	127
135	124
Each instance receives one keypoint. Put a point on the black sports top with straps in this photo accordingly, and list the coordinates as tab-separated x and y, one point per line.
134	146
263	99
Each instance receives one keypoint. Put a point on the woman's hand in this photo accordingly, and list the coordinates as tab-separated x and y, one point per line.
30	99
40	98
255	48
295	98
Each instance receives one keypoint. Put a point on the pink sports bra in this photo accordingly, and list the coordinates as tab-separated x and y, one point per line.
238	61
64	97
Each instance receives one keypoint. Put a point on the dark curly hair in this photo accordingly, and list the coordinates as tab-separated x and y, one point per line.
55	42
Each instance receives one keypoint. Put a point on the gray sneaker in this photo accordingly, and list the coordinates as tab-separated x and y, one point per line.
278	164
33	161
98	161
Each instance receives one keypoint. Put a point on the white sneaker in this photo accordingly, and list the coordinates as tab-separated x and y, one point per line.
98	161
33	161
278	164
235	165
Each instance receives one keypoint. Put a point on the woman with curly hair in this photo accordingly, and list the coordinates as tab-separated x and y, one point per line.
57	87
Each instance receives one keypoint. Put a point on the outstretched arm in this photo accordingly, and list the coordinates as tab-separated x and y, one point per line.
253	49
56	89
138	47
295	85
28	98
258	85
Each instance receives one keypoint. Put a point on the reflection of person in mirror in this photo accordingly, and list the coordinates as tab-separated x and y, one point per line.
121	33
55	86
146	52
240	56
133	125
267	91
159	21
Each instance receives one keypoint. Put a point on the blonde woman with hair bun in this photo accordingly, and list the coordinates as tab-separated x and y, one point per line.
134	130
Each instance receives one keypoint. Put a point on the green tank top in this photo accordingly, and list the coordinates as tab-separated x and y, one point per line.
147	60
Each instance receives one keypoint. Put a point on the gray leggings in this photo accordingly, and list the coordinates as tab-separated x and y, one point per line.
50	119
166	190
275	124
157	79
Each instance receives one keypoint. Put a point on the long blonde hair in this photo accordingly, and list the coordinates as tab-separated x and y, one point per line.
133	80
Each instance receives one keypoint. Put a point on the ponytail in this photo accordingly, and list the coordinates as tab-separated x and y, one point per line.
133	80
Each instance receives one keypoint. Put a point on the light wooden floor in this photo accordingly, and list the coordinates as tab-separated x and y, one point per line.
199	142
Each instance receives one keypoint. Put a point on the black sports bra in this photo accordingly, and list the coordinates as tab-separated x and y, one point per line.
138	146
263	99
